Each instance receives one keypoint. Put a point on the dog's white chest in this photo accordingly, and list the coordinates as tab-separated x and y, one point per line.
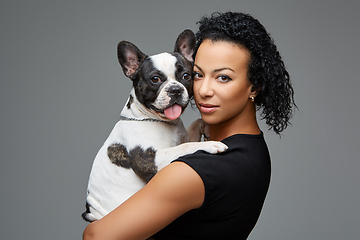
110	184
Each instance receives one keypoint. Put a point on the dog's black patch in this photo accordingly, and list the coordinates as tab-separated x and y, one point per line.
131	100
119	155
141	161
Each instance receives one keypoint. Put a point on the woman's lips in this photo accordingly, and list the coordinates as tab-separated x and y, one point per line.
207	108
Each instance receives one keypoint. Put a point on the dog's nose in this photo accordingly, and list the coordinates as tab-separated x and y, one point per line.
175	91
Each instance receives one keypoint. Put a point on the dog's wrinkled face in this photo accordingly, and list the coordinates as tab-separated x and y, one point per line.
164	84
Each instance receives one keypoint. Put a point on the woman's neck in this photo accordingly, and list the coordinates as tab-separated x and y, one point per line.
245	124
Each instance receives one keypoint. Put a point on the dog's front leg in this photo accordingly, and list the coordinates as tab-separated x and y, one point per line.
197	130
166	155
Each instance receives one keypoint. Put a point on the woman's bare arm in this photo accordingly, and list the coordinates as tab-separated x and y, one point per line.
174	190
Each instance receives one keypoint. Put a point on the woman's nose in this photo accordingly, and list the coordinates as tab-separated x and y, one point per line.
205	88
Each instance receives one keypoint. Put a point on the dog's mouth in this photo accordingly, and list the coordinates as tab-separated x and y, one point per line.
173	112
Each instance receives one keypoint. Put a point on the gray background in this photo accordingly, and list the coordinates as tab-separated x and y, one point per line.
62	90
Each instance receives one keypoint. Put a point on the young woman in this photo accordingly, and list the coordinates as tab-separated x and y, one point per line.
237	70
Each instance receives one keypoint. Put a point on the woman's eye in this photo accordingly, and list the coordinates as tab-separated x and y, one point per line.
223	78
197	75
156	79
186	76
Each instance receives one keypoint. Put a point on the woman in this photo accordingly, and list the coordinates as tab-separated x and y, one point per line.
237	70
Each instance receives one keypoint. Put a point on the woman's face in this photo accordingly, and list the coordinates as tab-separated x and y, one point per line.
221	88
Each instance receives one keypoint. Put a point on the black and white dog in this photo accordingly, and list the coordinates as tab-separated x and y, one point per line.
149	134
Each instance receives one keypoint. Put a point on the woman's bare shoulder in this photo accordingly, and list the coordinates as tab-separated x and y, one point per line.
180	182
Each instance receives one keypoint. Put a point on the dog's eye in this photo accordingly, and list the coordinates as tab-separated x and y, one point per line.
155	79
186	76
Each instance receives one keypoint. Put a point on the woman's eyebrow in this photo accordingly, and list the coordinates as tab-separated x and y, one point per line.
225	68
216	70
198	67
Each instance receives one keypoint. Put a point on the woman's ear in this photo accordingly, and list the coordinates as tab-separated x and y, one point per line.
254	92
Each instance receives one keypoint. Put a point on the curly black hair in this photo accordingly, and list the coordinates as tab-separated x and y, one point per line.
266	70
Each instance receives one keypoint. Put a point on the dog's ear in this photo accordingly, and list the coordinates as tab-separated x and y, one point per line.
130	58
185	44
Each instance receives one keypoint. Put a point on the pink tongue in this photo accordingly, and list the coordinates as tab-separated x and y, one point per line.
173	112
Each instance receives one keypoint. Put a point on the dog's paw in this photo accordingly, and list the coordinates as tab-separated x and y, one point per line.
165	156
213	147
89	217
